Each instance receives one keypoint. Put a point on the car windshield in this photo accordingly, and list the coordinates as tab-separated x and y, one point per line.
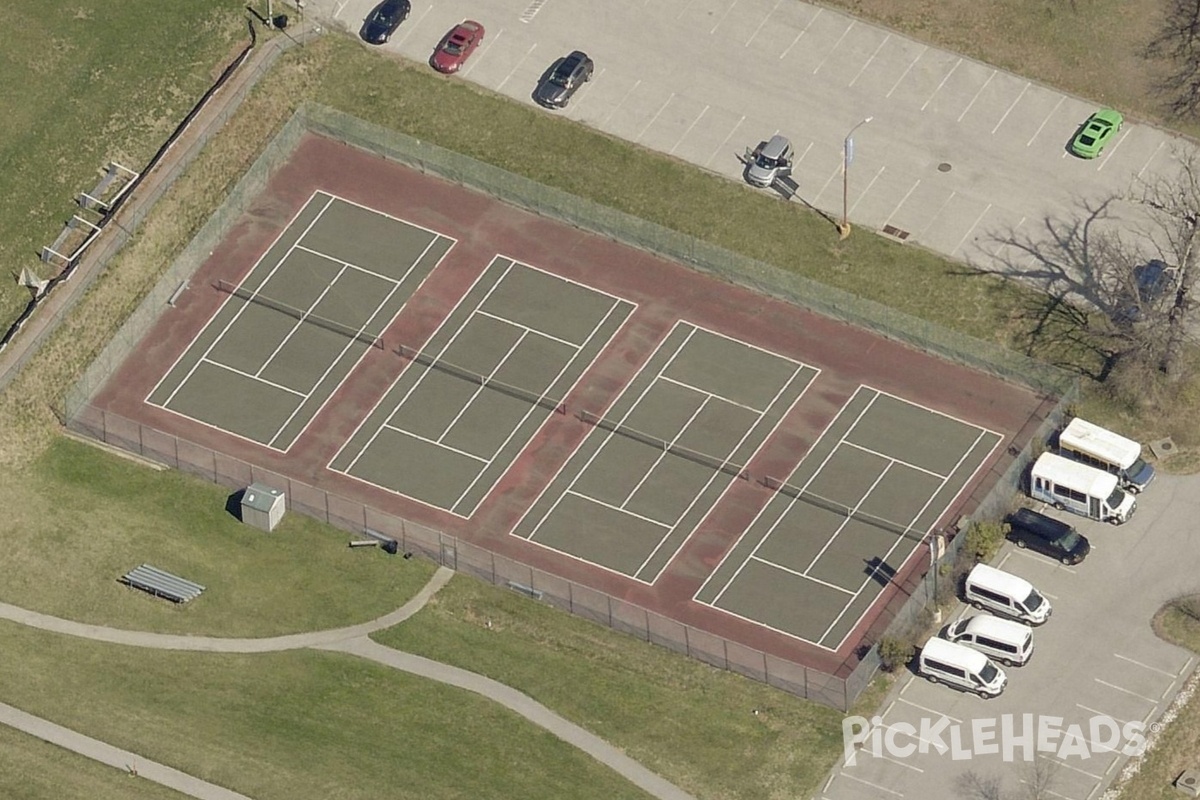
1115	499
454	47
1034	601
989	673
1137	467
1069	541
767	163
1087	139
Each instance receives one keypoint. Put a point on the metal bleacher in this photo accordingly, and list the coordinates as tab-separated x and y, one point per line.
162	584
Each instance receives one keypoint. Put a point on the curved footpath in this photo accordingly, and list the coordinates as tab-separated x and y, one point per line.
353	640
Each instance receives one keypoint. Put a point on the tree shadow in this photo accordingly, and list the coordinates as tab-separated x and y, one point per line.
1177	44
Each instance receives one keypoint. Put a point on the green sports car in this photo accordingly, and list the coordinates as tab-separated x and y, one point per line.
1090	139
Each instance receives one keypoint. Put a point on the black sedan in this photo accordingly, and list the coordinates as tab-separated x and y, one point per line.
564	79
1047	536
384	20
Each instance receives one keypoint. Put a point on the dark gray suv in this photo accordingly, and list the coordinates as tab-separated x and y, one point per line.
567	76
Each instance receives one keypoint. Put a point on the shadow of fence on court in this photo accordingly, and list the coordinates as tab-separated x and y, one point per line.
914	581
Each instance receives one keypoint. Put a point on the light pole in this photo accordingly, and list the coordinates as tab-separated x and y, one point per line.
847	157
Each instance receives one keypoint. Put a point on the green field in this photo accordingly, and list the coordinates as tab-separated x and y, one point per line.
322	725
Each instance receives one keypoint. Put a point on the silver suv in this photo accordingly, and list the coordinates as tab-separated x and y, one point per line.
769	161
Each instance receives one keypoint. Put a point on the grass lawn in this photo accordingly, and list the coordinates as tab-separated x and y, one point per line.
86	82
296	726
693	724
79	518
36	770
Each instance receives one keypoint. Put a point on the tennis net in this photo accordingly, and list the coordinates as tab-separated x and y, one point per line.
841	509
712	462
298	314
442	365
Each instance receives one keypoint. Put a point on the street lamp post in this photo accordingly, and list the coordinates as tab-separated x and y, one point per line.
847	157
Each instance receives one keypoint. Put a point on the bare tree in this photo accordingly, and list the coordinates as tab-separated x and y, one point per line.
1173	203
1034	781
1178	42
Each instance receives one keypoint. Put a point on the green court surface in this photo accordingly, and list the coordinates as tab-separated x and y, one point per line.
663	455
851	513
287	337
472	397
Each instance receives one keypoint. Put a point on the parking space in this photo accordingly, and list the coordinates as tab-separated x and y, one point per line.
1096	658
956	149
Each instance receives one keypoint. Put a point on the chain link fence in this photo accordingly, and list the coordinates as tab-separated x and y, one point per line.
351	515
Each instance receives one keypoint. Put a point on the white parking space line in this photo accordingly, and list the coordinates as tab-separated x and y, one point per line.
934	746
964	238
869	60
1170	675
1126	691
865	191
1046	791
340	8
926	708
513	71
907	70
1061	100
689	130
976	97
1097	713
683	10
874	786
722	19
1153	156
896	210
413	26
1013	105
1058	762
940	85
491	40
723	144
1113	151
1025	553
654	119
620	103
833	49
936	214
763	23
800	34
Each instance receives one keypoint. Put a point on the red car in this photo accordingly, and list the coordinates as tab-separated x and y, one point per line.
457	46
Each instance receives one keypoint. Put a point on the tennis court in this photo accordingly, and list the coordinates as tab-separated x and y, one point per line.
841	525
290	333
473	396
670	445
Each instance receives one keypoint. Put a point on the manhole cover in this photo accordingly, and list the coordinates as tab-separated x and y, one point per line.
944	167
1163	448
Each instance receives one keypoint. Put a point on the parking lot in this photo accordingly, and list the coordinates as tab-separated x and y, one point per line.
1096	656
960	157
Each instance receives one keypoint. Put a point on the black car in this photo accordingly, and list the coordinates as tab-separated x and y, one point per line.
568	75
1046	535
1152	282
384	20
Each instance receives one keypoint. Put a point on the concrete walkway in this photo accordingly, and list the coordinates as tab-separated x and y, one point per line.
353	640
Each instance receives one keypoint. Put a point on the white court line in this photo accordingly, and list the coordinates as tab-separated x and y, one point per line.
689	130
1126	691
835	47
863	69
907	69
800	34
1054	110
245	374
298	324
481	387
662	456
976	97
940	85
1013	105
798	574
602	504
427	440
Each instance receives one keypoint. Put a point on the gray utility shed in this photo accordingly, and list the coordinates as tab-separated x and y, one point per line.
262	506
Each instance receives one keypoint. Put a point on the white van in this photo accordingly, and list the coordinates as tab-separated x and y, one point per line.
1101	448
959	666
991	589
1080	489
1010	643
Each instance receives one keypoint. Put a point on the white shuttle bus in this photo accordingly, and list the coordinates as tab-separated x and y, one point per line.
1101	448
1081	489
